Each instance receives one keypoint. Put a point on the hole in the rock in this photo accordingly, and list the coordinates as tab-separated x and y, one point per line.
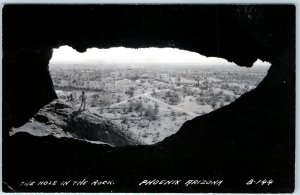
149	92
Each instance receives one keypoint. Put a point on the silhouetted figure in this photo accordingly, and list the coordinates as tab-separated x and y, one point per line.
71	97
83	100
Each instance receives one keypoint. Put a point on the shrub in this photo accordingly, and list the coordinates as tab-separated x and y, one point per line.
125	120
130	106
145	135
221	104
220	93
173	113
168	94
143	124
174	100
118	99
227	98
156	109
94	103
214	105
130	92
154	93
95	96
104	99
150	113
139	106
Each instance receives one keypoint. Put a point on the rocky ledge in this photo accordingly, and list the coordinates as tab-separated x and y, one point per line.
61	119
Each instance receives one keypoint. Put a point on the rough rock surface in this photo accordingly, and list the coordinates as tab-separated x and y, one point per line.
61	119
231	143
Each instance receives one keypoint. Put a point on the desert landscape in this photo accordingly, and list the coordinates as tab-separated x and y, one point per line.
153	102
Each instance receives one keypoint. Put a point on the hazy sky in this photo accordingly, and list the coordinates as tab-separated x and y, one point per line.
66	56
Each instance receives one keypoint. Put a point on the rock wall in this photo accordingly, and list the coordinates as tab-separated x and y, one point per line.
254	136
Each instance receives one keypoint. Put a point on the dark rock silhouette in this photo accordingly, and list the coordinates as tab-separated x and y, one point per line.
253	137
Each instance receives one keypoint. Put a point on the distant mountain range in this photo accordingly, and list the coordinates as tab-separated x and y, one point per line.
66	57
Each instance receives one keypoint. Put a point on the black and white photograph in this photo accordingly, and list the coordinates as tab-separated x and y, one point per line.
185	98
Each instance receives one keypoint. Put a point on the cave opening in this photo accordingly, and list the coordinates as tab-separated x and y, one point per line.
148	93
256	129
